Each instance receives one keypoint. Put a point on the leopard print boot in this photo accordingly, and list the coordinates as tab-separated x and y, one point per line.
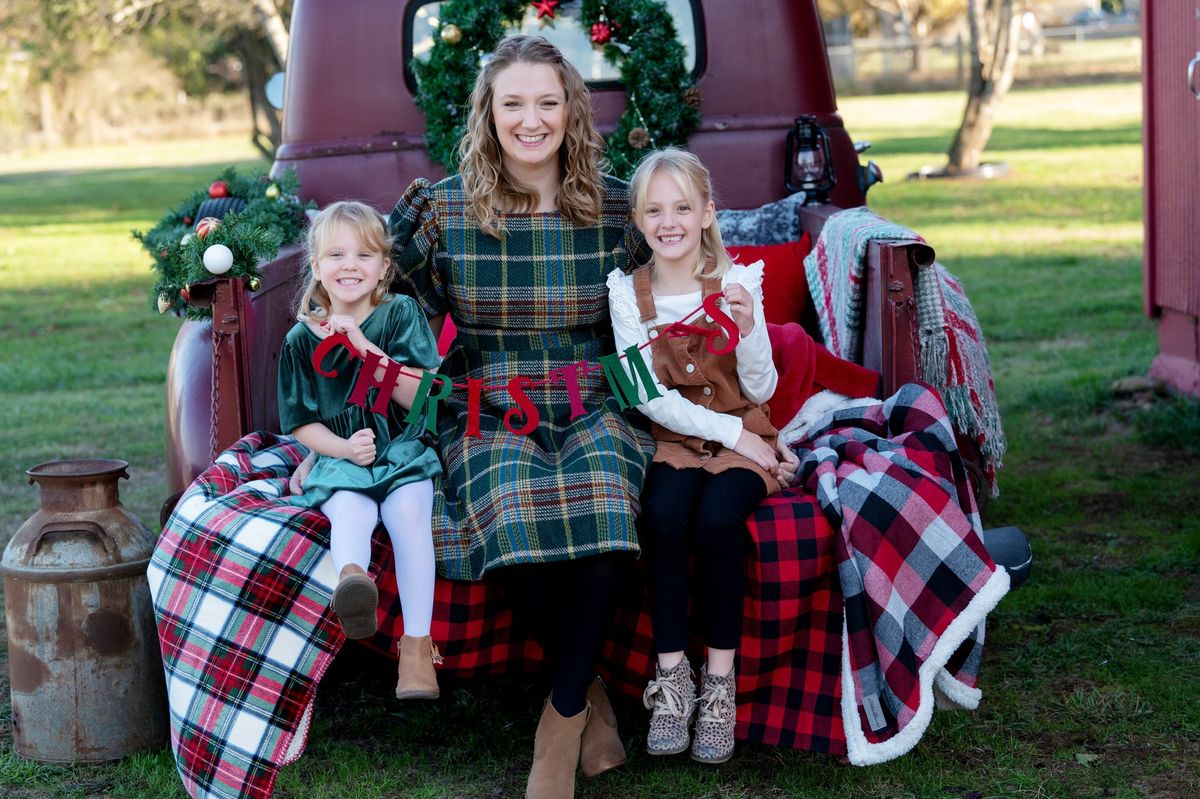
716	718
671	696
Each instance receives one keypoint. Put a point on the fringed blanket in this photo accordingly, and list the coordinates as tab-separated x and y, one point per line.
953	353
916	579
241	586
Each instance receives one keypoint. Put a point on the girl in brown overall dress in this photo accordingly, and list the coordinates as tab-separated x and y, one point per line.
716	457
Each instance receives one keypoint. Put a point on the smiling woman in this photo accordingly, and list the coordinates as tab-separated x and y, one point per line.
516	249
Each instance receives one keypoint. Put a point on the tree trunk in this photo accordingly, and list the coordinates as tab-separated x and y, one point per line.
994	27
268	124
919	35
48	115
272	25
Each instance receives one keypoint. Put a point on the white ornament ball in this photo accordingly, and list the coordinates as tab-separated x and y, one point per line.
218	259
187	237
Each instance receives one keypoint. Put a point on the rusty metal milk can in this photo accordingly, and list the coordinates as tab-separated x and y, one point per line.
87	678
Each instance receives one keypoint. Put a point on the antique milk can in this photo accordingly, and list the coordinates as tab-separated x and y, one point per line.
83	656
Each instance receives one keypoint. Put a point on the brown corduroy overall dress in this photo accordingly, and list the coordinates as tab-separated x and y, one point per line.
686	364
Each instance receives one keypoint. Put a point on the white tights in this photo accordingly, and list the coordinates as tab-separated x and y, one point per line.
407	516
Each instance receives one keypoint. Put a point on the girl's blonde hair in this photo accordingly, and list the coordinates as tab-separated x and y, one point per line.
370	229
486	186
693	179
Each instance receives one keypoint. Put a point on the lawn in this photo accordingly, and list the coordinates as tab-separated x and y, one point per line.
1090	676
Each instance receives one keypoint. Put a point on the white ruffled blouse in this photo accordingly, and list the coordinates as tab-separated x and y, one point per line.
756	371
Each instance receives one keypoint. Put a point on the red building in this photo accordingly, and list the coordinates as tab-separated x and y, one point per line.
1171	89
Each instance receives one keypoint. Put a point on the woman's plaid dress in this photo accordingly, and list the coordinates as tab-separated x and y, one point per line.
525	304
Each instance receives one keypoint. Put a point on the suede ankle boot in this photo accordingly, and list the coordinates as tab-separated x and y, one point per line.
601	749
354	601
671	698
417	679
713	742
556	754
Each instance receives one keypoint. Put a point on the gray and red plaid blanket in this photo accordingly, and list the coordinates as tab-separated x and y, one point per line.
241	586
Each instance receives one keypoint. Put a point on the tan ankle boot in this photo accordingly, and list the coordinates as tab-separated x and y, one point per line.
354	602
417	679
556	754
601	749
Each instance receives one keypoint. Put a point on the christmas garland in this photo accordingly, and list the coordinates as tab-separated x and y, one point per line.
228	228
638	36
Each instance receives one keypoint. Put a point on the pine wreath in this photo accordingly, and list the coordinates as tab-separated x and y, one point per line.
257	215
638	36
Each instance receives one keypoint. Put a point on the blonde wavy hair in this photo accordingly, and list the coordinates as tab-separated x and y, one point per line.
486	185
693	179
370	229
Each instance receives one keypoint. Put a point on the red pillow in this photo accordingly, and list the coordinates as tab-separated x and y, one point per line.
785	288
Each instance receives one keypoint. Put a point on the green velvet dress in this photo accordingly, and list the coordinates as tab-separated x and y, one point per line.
399	328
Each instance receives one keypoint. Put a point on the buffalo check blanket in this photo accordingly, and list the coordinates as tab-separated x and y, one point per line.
241	584
916	580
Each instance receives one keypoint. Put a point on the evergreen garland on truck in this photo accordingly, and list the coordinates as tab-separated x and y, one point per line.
228	228
638	36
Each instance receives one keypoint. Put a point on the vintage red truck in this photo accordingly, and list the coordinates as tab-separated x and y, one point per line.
352	129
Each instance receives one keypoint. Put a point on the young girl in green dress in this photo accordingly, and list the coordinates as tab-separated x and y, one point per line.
369	464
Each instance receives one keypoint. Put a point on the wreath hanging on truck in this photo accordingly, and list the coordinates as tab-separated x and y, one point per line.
638	36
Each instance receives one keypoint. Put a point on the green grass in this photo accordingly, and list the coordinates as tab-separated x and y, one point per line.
1090	679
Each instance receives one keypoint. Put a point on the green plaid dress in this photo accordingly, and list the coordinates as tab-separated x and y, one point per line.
525	304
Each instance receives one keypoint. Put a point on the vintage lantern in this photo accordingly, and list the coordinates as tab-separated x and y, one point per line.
809	164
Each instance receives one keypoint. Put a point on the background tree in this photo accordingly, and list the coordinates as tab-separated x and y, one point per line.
257	31
65	41
994	27
921	19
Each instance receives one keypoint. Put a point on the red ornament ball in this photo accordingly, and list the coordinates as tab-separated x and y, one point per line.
187	220
207	225
601	33
219	188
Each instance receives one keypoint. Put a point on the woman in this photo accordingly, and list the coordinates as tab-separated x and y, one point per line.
517	248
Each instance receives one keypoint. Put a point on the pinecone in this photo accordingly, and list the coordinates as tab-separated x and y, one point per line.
639	138
692	97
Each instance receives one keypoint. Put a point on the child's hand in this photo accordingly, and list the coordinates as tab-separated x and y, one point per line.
360	447
785	472
741	307
752	446
345	324
296	481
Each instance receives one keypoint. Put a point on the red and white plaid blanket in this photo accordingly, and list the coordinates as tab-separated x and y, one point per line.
241	586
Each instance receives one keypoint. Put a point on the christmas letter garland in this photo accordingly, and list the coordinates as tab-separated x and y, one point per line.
636	35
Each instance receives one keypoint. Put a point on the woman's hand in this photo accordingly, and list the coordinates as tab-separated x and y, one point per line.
785	472
741	307
360	447
751	445
296	481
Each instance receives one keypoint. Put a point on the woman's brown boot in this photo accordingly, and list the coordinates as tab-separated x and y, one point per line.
417	679
556	754
601	749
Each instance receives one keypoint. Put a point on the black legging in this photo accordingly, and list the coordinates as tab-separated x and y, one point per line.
569	606
682	504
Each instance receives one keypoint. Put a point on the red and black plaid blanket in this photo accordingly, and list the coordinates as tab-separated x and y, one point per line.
241	585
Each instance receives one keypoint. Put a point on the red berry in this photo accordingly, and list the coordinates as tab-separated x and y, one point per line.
219	188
